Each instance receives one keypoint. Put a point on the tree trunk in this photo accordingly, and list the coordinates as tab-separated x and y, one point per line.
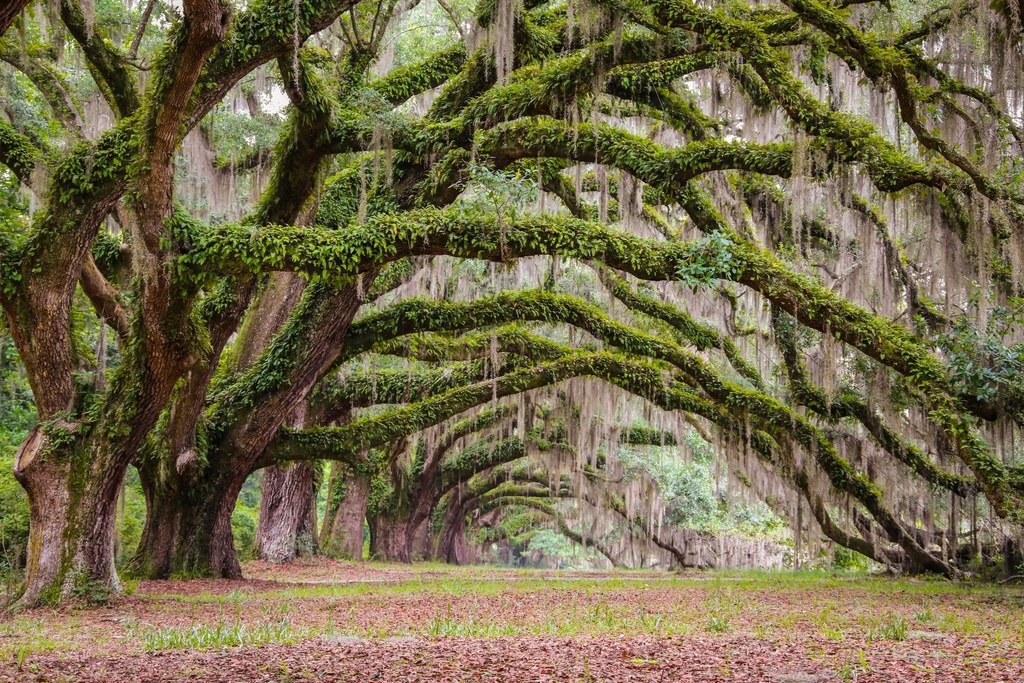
72	512
422	541
238	450
452	546
287	527
342	533
389	538
188	530
201	539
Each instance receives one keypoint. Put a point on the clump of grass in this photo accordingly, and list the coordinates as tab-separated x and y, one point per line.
852	670
446	627
895	628
651	623
21	638
832	632
716	623
829	622
603	617
721	606
204	637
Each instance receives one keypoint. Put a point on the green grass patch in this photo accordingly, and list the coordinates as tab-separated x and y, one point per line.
892	628
205	637
446	627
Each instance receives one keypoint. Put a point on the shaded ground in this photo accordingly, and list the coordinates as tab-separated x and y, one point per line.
344	621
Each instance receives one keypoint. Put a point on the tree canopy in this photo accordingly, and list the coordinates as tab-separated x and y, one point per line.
476	254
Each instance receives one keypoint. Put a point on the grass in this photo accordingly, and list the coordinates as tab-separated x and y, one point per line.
729	595
829	613
446	627
21	638
205	637
892	628
17	653
499	581
716	623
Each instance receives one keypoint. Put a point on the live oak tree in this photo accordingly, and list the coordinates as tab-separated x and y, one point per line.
794	226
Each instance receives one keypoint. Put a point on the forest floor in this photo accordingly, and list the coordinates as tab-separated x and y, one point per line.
336	621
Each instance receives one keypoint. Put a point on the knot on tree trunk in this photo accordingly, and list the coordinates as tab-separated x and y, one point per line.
187	462
27	451
207	21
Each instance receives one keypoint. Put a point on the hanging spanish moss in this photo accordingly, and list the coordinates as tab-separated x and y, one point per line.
691	284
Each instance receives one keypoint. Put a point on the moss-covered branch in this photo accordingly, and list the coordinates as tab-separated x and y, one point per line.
847	403
408	81
439	348
700	335
108	66
382	387
231	248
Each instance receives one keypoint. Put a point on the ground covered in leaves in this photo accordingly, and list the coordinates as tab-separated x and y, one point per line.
347	621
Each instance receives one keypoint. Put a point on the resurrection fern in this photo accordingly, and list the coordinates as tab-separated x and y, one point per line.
516	267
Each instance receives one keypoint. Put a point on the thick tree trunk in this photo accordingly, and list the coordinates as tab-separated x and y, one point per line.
158	544
72	512
452	546
422	541
342	533
188	531
389	538
207	548
287	527
201	541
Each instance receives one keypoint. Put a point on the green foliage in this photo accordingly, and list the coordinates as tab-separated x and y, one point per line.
94	593
980	364
558	549
708	260
693	498
427	30
131	518
844	559
17	417
246	516
502	193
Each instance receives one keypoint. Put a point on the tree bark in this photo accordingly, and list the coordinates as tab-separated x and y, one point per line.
71	522
188	528
342	533
287	526
9	12
209	490
452	546
389	538
422	542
